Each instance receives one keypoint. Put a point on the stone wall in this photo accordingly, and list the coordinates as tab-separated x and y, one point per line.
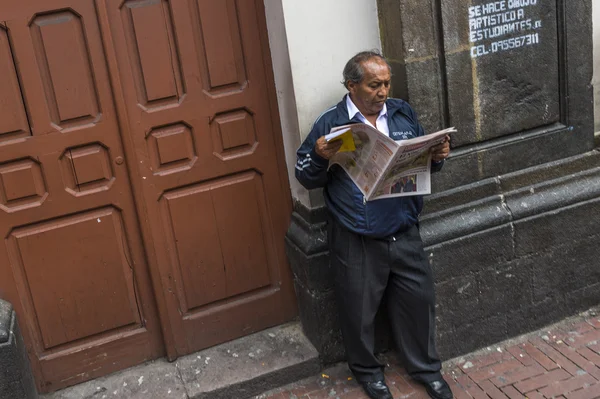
16	379
596	81
514	253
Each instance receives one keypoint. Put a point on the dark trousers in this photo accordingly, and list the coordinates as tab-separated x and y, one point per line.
368	269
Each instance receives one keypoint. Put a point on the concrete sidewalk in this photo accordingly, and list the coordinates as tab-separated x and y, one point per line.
562	361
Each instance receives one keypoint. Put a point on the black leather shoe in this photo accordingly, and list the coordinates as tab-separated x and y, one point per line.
377	390
438	389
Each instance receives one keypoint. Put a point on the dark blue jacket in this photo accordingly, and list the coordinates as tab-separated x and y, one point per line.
378	218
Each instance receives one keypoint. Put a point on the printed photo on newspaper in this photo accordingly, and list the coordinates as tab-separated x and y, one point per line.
382	167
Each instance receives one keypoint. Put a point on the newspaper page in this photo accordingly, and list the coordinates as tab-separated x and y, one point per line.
409	172
366	164
383	168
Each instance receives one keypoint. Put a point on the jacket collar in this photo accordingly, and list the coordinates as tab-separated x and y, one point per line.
353	109
393	105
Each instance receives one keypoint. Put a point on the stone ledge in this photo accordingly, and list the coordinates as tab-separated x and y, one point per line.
237	369
537	175
249	365
510	198
508	154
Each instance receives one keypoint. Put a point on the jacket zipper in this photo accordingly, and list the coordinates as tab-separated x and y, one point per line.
366	214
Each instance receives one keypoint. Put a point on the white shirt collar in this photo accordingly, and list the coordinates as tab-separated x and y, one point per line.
353	110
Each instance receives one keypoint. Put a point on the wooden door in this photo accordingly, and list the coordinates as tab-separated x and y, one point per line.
197	89
72	261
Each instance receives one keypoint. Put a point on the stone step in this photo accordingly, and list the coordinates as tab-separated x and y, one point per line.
244	367
238	369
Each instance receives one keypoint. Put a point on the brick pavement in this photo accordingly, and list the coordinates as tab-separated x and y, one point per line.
562	361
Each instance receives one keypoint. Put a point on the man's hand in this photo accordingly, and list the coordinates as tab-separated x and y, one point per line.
441	151
327	149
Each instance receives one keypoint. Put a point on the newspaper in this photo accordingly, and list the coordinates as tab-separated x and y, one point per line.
382	167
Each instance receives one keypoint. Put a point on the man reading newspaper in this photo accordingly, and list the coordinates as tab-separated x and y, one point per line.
375	246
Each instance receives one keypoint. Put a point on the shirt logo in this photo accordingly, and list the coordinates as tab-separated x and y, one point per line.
402	135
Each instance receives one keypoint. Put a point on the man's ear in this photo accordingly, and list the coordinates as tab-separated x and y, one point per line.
351	86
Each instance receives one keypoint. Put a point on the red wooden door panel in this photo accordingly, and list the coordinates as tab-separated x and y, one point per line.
199	117
72	261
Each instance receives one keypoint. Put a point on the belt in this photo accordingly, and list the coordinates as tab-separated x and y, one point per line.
393	237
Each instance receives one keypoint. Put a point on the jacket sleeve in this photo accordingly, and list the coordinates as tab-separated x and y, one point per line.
435	166
311	168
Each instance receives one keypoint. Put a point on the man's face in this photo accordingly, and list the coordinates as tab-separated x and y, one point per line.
370	94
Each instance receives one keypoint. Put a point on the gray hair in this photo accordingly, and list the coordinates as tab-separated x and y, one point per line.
354	72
